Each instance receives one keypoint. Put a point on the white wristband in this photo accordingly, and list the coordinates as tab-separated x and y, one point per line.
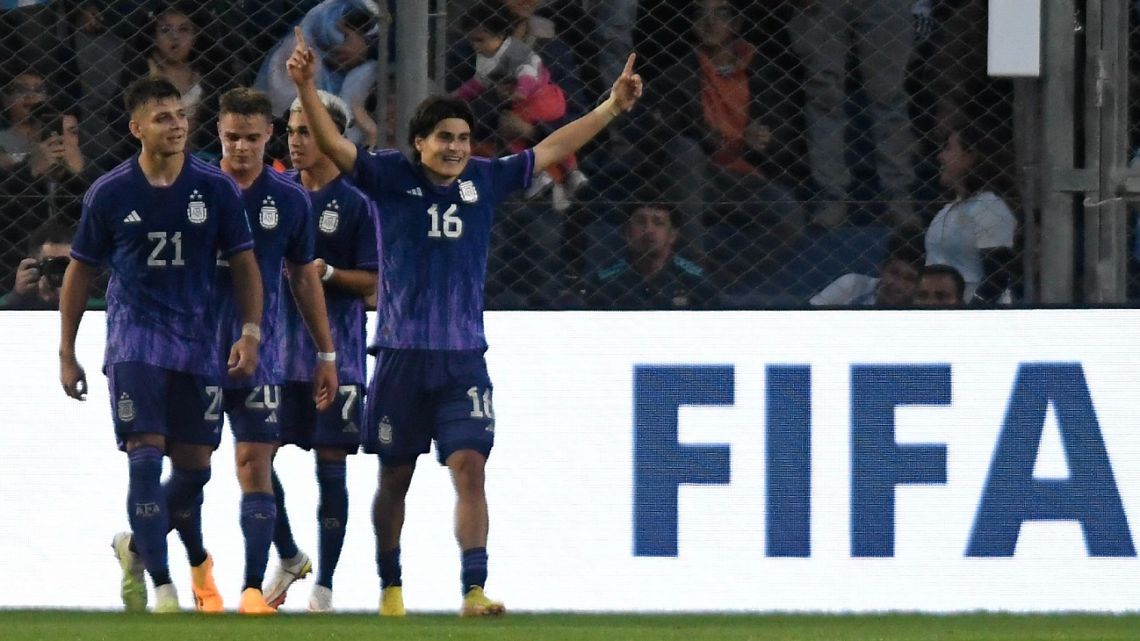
328	357
253	330
329	271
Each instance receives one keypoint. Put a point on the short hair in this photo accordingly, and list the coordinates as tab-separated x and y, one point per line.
489	15
146	89
55	231
947	270
434	110
648	196
246	101
338	110
906	247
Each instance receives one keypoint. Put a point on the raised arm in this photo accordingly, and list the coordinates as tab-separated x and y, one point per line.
570	138
72	303
302	68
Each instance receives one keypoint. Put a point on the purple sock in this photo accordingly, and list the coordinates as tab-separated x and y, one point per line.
146	510
474	573
184	503
332	516
258	517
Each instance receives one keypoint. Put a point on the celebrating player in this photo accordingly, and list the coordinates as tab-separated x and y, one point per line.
431	379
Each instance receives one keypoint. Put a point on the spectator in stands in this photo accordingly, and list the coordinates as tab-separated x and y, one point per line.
824	33
41	273
975	232
893	287
613	35
518	82
91	66
343	36
20	136
724	116
48	183
27	32
538	33
651	276
175	46
940	286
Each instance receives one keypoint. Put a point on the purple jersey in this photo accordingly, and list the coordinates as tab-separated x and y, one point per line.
162	245
280	217
433	245
346	239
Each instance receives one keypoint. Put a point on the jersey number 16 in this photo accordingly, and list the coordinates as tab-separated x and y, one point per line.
449	225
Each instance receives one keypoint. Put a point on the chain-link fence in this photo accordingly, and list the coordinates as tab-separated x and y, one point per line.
785	153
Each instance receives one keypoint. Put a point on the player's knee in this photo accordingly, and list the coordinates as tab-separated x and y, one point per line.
395	480
468	471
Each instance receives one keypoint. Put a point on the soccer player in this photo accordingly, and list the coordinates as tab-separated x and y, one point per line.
346	259
434	233
160	220
280	218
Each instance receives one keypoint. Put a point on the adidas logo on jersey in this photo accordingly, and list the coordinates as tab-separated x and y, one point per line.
415	191
133	217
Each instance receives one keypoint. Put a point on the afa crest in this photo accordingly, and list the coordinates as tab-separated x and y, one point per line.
330	218
125	408
467	192
268	218
385	431
196	209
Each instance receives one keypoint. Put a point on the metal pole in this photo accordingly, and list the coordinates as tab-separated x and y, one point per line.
439	32
1110	210
411	63
384	25
1057	220
1027	146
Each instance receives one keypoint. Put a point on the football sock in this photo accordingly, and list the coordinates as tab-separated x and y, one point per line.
184	503
282	532
332	515
389	565
258	518
474	568
146	511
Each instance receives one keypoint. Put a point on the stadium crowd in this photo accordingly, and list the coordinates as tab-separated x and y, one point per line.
784	143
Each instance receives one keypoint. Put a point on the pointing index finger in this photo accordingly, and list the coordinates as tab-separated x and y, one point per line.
300	36
629	64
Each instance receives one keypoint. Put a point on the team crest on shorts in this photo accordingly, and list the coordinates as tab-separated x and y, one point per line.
467	192
385	431
196	210
268	216
330	218
125	408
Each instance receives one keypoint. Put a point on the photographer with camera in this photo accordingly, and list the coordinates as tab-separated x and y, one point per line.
40	275
48	183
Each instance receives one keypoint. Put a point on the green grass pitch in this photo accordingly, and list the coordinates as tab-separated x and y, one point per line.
52	625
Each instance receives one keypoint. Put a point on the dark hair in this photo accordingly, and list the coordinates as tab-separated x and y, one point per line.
905	246
648	196
196	12
245	101
987	141
433	110
146	89
56	231
947	270
488	15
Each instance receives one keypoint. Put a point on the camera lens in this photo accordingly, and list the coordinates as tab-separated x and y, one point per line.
53	269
